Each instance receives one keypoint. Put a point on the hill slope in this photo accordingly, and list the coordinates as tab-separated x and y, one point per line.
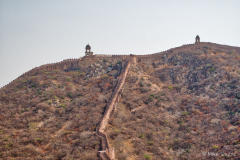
179	107
172	107
54	114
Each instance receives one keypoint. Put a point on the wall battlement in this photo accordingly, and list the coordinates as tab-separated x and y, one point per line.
74	62
110	152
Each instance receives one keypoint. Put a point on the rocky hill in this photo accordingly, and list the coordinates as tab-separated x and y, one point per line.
54	114
178	105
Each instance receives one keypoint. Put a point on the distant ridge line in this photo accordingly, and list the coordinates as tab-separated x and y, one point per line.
69	62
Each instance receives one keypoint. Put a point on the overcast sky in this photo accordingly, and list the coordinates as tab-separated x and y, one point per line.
36	32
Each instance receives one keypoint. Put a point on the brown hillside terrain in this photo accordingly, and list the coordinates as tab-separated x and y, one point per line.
174	106
179	107
54	114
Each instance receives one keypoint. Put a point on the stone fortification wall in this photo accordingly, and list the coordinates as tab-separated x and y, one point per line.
103	55
189	46
119	56
121	80
219	46
106	55
110	153
149	58
65	64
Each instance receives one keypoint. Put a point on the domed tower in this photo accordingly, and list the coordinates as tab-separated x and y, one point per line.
88	51
197	39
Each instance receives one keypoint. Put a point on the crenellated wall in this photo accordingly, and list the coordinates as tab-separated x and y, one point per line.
103	55
169	52
65	64
110	153
148	59
113	101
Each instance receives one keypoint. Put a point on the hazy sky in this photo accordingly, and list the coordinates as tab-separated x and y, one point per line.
36	32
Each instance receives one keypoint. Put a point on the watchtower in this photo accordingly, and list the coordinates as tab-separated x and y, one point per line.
88	51
197	39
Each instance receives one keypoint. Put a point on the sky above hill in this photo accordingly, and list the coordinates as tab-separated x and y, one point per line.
37	32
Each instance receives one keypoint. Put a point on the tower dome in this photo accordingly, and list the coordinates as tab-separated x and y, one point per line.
197	39
88	46
88	50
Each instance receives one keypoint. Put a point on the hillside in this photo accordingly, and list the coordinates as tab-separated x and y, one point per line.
172	105
54	114
171	111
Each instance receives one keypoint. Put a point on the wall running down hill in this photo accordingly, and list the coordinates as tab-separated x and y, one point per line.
110	153
107	152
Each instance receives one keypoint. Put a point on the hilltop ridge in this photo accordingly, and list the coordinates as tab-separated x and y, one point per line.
78	62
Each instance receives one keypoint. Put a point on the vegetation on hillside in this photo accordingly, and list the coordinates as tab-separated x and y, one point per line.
54	114
179	108
171	108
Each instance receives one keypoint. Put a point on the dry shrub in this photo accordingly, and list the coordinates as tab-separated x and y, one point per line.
59	93
69	87
201	102
221	60
123	156
33	125
117	122
91	156
34	101
46	83
43	106
107	85
237	58
228	68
